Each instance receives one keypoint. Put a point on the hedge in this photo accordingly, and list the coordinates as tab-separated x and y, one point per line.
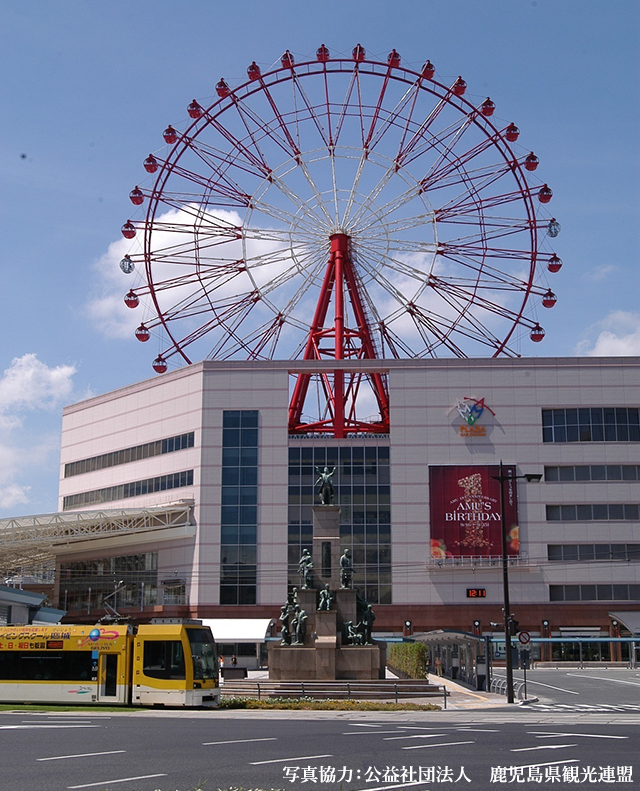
410	658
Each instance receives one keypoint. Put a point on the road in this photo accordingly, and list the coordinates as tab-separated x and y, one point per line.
328	751
583	690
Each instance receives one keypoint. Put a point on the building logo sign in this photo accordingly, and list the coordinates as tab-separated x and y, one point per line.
471	410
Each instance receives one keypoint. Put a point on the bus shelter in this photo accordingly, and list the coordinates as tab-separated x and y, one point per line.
465	656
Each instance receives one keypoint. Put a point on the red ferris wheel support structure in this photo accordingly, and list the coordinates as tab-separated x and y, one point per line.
339	342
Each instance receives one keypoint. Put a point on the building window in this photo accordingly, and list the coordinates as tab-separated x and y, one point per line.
362	489
239	508
569	593
591	424
85	583
600	512
146	451
592	472
161	483
586	552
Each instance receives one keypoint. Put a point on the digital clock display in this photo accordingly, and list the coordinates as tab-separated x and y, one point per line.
476	593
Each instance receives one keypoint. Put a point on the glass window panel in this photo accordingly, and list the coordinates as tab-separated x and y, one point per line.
621	593
248	457
584	433
572	593
570	552
547	435
556	592
634	433
249	437
598	472
572	434
600	512
629	472
604	592
583	473
560	434
552	473
553	513
571	417
559	418
586	552
547	417
602	551
568	513
633	551
634	592
597	433
584	513
249	418
618	551
631	512
616	511
610	433
231	419
566	473
588	592
554	552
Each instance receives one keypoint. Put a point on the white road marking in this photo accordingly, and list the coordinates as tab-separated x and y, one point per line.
553	734
549	686
480	730
242	741
283	760
604	678
364	725
431	746
414	736
542	747
36	725
365	733
121	780
80	755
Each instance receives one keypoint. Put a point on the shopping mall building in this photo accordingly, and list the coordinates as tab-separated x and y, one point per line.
191	497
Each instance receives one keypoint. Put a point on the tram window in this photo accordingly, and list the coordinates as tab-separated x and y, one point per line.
58	666
163	659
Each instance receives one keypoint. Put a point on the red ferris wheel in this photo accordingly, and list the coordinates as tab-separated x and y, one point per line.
341	208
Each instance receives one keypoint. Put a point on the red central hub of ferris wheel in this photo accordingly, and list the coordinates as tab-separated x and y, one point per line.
340	342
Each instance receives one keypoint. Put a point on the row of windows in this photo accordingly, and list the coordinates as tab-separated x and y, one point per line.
239	507
594	592
161	483
594	552
591	424
601	512
593	472
136	566
332	456
146	451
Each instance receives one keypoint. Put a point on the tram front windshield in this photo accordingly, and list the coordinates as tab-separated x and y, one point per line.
203	653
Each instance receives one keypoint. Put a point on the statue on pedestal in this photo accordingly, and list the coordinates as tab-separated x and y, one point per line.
299	625
305	569
346	569
326	485
285	615
326	598
351	634
365	627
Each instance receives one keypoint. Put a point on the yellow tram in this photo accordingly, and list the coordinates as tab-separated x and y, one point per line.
170	664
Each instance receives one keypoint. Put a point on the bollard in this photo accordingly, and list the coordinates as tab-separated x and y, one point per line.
258	683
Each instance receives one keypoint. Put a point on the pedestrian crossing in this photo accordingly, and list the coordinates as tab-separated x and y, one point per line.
603	708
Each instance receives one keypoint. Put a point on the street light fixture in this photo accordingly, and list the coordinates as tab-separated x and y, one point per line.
508	615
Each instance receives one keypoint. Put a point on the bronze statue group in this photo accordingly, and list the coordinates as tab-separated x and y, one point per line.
294	618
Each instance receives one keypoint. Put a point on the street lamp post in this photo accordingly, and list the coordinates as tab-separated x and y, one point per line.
508	617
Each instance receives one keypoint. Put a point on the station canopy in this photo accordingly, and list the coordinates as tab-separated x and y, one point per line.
35	541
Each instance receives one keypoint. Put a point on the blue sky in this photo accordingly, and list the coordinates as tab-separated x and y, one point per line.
87	89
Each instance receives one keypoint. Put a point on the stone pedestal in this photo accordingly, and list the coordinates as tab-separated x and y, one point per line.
326	546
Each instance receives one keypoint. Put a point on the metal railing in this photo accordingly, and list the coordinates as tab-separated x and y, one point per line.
335	690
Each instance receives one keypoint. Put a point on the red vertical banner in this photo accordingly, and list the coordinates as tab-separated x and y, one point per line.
465	511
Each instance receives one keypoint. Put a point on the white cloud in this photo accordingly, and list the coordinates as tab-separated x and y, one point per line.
617	335
27	385
602	272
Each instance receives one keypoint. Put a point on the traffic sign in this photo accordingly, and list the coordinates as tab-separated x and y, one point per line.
524	637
